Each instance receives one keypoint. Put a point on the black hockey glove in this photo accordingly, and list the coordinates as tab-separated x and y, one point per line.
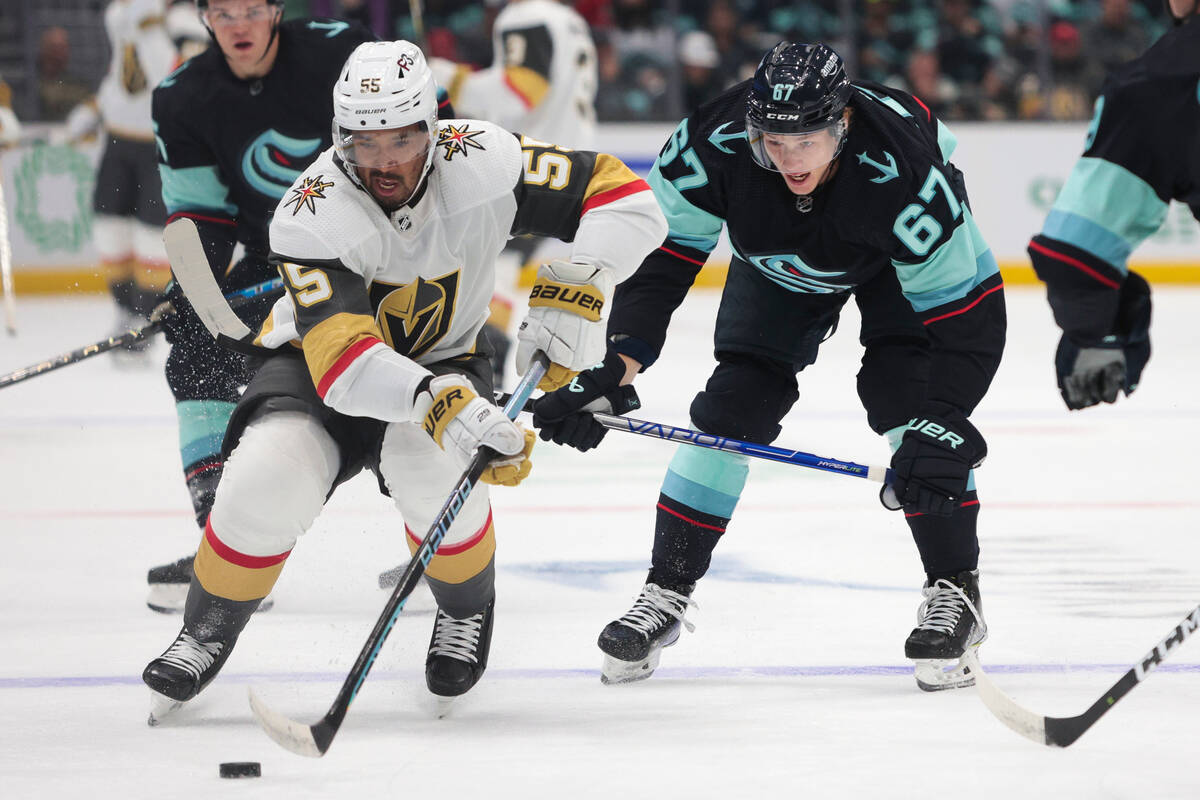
1096	373
564	415
934	461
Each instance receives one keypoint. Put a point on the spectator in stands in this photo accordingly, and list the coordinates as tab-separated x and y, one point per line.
1070	96
699	59
884	43
739	58
58	90
10	128
925	81
1111	40
968	42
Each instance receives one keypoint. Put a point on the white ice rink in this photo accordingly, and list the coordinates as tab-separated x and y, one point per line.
793	685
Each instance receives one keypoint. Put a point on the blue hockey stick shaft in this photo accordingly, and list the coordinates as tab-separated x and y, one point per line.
673	433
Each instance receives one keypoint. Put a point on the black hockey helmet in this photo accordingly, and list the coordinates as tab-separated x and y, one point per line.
797	88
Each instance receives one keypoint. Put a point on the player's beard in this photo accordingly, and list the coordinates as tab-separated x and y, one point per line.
392	187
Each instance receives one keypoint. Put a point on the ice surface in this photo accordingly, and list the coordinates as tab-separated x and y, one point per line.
794	683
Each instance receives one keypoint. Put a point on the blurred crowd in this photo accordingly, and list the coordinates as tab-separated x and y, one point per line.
966	59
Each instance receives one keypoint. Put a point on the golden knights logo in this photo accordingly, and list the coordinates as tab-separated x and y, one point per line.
311	190
458	140
416	316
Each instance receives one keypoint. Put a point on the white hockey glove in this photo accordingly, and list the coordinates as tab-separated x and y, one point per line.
565	320
460	422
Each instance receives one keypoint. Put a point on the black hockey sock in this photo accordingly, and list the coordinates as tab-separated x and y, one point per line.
684	539
125	293
948	545
210	618
465	599
202	478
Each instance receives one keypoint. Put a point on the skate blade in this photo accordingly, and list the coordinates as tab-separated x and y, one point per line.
161	707
615	671
442	706
167	598
936	675
170	598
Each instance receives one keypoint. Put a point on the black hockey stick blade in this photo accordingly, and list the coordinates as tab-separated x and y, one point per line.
314	740
1063	731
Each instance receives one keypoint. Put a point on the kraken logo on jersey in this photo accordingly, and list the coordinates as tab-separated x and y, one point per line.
458	140
307	195
790	272
269	163
415	317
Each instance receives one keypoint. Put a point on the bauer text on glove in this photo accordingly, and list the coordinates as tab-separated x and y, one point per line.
565	320
460	422
934	461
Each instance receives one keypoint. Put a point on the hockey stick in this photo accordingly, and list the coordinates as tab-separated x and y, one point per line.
671	433
1062	731
314	740
418	21
6	274
121	340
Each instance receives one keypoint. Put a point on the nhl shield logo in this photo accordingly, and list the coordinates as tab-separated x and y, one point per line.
416	316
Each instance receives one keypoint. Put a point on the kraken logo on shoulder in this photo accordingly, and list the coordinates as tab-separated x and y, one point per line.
458	140
272	162
414	317
308	193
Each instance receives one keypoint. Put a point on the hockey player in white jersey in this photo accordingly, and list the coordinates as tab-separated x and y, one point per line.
386	244
127	200
542	83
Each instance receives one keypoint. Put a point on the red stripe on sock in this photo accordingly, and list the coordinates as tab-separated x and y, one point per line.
697	523
227	553
461	547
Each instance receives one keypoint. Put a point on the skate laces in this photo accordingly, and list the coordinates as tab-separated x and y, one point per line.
457	638
191	655
944	603
654	606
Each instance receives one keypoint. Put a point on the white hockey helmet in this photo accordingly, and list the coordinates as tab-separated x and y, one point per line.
384	85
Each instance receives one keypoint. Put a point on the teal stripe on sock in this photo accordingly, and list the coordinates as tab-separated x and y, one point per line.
202	426
709	481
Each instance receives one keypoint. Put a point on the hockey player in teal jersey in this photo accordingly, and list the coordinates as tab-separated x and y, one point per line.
827	189
234	126
1142	152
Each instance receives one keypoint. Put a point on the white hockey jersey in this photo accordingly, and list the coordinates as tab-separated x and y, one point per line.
373	296
142	55
542	81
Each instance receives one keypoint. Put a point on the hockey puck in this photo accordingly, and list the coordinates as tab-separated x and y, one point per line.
241	769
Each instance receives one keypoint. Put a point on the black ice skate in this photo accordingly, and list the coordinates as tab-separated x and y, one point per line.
169	587
949	622
182	672
458	653
632	644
